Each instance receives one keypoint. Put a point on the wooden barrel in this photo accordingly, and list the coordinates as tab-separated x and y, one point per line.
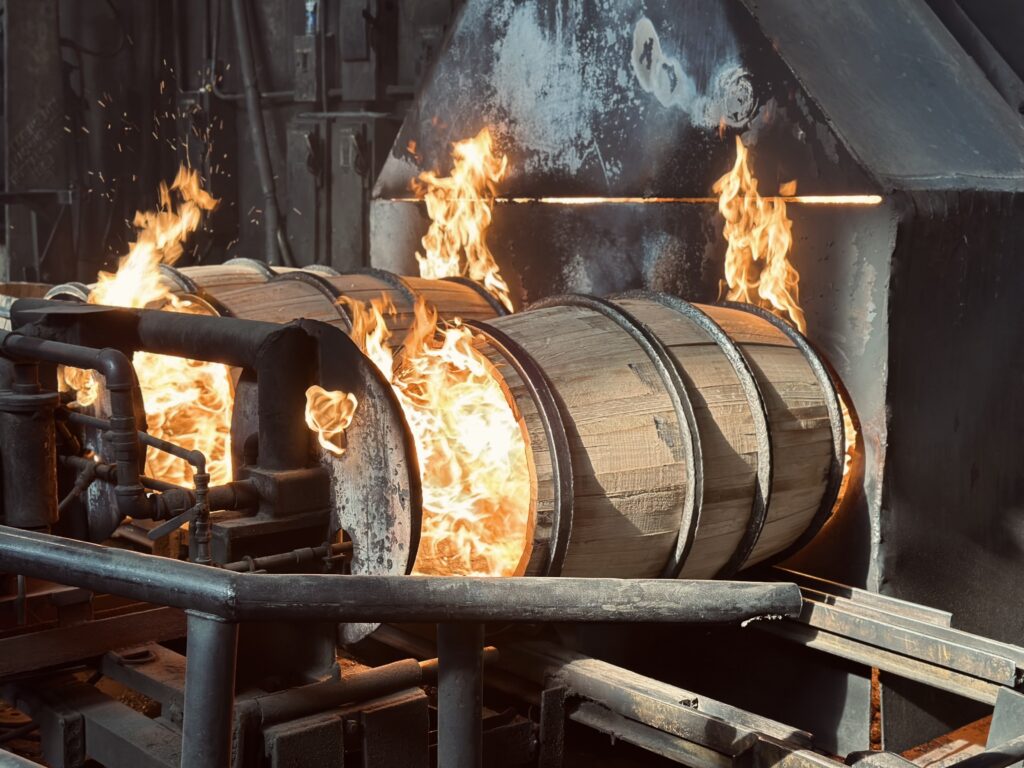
451	297
805	422
316	293
666	438
252	290
628	448
69	292
11	292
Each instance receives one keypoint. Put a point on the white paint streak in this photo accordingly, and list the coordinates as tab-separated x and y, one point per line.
729	98
539	86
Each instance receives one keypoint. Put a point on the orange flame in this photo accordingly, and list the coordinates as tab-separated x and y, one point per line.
472	453
188	402
759	231
759	235
460	208
471	449
329	414
371	332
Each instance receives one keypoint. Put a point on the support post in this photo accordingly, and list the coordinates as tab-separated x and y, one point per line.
459	695
209	692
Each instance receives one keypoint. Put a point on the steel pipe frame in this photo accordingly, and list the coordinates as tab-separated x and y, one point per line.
217	599
331	597
460	695
122	385
209	691
284	358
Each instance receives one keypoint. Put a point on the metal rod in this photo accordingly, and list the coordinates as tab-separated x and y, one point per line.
335	597
284	358
293	559
209	692
276	245
999	756
459	695
195	458
294	703
122	387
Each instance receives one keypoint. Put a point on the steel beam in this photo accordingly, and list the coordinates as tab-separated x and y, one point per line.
54	647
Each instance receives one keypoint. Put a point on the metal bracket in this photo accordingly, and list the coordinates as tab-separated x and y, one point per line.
1007	720
551	752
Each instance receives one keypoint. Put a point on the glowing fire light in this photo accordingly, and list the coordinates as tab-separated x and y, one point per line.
329	414
758	231
474	466
460	207
471	449
794	199
759	235
188	402
472	453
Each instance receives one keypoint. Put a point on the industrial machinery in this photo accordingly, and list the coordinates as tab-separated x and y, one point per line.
733	440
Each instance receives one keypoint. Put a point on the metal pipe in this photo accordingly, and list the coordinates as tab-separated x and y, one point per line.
236	494
209	691
295	558
276	246
195	458
119	376
460	695
28	440
334	597
284	357
307	700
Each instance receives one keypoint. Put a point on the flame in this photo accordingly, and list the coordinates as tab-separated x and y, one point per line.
471	449
188	402
460	208
472	453
758	230
759	235
329	414
850	429
82	382
370	330
474	466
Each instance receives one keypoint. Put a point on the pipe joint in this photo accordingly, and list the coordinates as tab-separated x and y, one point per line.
116	369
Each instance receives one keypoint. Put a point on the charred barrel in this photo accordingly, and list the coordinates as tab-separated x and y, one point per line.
666	438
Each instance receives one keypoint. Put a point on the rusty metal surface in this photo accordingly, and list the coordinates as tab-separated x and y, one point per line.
62	645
